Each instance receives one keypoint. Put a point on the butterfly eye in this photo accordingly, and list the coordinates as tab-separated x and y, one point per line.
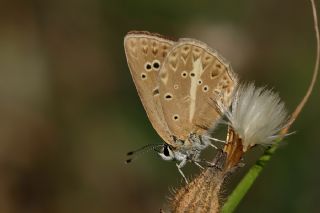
147	66
166	151
200	82
192	74
156	65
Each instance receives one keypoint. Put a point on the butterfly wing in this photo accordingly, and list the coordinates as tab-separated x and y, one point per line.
145	53
191	78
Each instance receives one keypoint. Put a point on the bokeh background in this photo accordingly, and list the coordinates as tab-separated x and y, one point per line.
69	110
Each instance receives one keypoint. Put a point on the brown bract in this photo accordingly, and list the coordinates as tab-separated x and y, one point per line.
202	195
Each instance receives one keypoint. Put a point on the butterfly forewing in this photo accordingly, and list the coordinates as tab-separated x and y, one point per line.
191	78
145	54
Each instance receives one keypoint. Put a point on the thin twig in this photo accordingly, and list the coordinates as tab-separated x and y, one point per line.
298	109
247	181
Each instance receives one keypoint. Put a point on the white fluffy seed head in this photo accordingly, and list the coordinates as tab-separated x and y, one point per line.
256	115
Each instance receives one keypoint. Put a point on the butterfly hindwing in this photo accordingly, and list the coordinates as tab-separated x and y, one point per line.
191	78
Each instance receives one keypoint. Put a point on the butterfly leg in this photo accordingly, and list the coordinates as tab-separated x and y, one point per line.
214	139
179	166
198	164
196	160
213	146
208	140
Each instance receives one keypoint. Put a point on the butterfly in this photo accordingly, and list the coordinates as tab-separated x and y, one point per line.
178	83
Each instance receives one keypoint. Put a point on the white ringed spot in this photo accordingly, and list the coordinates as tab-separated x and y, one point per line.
184	74
168	96
205	88
175	117
156	65
143	76
148	66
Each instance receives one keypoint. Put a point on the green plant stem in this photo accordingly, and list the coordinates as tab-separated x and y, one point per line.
245	184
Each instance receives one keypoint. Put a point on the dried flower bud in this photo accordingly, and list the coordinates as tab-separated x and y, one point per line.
256	115
202	194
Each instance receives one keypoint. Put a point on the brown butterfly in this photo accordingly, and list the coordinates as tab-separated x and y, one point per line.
178	83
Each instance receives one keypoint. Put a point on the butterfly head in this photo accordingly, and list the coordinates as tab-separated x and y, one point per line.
170	153
183	149
173	150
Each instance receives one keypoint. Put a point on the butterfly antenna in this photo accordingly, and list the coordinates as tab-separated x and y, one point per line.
134	154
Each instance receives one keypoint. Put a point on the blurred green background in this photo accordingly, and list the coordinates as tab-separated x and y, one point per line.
69	110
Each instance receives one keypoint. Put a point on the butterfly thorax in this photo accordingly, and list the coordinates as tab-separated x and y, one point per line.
188	149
